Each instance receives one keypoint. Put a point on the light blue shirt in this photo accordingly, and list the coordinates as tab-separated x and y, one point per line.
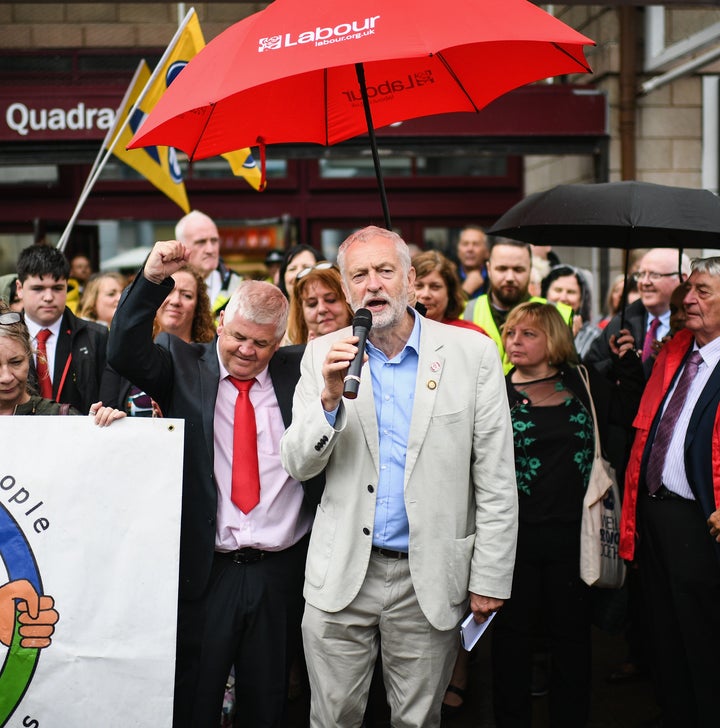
663	328
393	383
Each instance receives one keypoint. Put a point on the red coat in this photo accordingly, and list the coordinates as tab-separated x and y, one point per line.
668	362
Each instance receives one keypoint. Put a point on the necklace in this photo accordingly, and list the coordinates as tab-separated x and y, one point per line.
536	381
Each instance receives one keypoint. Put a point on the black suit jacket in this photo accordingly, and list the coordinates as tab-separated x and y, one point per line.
183	378
636	317
79	362
698	444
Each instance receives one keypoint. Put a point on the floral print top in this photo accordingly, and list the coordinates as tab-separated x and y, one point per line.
554	448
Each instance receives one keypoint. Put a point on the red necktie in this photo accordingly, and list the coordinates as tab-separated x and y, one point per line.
650	336
44	381
245	472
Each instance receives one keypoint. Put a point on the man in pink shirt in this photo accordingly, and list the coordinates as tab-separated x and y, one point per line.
241	566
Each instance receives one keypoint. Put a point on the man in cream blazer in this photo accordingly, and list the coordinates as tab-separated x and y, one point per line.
419	510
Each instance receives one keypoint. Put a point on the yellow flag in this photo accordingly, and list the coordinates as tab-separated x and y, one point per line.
158	165
189	43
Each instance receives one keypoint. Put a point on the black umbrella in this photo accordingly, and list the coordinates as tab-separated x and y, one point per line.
615	215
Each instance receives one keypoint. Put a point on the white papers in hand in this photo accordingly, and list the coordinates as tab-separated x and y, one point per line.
471	631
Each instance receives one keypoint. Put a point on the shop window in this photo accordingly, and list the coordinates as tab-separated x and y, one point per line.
414	167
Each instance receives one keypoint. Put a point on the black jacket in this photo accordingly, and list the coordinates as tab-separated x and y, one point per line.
183	378
80	359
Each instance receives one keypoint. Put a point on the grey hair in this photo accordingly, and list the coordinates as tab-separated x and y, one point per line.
183	221
711	266
17	332
260	303
372	231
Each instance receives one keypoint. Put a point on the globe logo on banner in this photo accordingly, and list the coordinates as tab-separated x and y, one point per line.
19	664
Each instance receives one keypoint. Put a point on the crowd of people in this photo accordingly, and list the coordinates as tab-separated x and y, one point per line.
336	539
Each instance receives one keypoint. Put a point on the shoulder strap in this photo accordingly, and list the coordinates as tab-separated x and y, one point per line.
583	372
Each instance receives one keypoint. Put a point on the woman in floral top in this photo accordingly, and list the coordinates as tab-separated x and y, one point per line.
554	446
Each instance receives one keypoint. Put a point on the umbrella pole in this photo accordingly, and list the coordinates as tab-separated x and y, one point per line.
360	71
624	297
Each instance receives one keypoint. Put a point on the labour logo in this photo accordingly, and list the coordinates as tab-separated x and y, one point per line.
270	44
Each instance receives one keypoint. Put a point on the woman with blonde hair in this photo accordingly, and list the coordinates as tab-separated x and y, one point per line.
318	305
18	396
554	450
101	297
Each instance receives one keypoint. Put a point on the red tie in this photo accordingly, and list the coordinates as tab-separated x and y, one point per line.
44	381
666	428
647	350
245	472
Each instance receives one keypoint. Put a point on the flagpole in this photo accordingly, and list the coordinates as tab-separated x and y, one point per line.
89	184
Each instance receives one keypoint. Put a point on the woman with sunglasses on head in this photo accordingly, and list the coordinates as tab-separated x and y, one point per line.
318	305
17	394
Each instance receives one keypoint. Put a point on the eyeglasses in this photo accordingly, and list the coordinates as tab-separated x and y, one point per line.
9	318
325	265
654	277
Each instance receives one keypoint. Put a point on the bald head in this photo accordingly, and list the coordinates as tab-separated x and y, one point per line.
199	234
658	275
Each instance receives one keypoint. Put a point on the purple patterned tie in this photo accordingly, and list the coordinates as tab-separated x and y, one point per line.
650	336
664	433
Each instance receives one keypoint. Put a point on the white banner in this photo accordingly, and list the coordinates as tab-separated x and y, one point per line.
89	517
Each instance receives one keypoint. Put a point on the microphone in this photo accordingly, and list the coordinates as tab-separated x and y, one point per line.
362	323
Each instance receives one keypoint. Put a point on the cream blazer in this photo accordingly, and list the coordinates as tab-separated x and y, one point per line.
460	491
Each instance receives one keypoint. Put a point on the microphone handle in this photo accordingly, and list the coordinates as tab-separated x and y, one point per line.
352	378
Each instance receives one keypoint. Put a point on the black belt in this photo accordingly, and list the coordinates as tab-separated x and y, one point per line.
249	555
662	493
389	553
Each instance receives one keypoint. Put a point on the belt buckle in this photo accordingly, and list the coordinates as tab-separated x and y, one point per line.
247	556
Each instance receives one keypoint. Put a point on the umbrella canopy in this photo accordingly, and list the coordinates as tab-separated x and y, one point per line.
615	215
329	70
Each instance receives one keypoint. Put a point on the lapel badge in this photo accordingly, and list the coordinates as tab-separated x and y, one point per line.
435	366
431	384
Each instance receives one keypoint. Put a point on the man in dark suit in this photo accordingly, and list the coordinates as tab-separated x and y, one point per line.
648	317
671	511
74	348
241	566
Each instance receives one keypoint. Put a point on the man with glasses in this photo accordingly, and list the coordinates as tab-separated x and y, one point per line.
245	521
648	318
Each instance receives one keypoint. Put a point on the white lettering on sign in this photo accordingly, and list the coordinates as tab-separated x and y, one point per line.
23	119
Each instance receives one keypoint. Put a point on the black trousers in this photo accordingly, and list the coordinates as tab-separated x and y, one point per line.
546	583
249	618
680	578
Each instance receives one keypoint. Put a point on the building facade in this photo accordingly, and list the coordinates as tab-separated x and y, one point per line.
648	111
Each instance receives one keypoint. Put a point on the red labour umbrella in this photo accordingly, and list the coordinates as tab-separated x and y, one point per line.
329	70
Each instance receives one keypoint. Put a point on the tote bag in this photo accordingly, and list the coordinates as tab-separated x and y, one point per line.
600	562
